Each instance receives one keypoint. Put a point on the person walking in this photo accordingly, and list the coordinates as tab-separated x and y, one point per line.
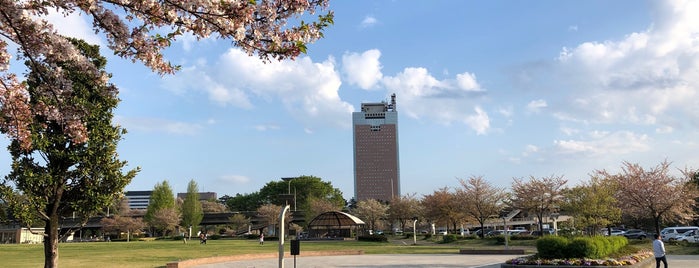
262	239
659	251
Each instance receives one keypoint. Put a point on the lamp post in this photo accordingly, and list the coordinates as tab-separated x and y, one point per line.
281	235
288	180
414	231
554	218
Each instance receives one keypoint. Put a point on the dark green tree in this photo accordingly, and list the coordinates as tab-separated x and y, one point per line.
60	174
304	188
192	211
242	202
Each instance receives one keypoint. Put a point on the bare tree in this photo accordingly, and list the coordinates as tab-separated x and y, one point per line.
480	199
316	206
371	211
541	196
166	219
654	192
213	207
270	214
443	207
126	224
403	208
238	222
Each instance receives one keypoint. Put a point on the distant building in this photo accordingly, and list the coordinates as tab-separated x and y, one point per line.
203	196
376	163
21	236
138	199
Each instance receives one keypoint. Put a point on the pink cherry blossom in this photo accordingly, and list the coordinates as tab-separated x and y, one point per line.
138	30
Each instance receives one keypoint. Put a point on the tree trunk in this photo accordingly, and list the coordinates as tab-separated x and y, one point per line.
51	242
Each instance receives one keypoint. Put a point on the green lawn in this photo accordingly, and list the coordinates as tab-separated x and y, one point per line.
158	253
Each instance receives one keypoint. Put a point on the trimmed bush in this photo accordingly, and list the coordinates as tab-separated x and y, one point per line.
523	237
373	238
555	247
449	238
552	247
581	247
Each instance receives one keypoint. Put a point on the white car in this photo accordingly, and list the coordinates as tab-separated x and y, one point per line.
688	236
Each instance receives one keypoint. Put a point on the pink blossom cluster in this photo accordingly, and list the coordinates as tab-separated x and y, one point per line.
137	30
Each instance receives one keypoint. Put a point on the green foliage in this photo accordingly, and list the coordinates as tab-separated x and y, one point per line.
555	247
306	188
449	238
373	238
242	202
192	211
161	198
523	237
552	247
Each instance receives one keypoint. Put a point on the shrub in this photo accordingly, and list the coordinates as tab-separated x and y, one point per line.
581	247
373	238
523	237
470	237
428	236
449	238
215	237
552	247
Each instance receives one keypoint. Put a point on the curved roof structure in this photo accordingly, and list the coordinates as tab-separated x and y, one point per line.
335	218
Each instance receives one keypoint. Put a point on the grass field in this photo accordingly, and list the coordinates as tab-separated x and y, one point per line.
158	253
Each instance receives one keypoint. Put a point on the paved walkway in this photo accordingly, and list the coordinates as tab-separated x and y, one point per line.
408	261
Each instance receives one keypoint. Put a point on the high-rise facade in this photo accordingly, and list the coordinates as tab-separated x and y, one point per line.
376	162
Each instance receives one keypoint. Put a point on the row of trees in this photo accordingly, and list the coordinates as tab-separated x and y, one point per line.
643	198
164	214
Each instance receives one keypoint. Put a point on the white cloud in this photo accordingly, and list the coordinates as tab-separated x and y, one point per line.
307	89
266	127
74	25
368	21
363	69
506	111
647	78
159	125
420	95
601	143
234	179
480	122
535	106
467	81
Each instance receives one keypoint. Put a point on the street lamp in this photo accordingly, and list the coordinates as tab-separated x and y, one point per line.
554	218
288	180
414	231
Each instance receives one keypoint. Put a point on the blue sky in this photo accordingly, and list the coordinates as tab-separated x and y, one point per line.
499	89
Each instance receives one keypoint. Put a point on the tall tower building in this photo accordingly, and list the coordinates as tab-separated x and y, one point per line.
376	165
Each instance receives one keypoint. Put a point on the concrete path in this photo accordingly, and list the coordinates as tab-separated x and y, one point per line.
375	260
408	261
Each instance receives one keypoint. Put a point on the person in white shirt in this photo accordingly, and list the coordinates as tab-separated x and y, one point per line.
659	252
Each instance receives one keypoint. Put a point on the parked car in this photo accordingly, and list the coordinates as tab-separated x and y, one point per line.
442	232
495	233
671	233
618	232
545	232
517	232
688	236
636	234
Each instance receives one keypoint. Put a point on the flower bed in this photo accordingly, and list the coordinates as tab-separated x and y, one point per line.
641	259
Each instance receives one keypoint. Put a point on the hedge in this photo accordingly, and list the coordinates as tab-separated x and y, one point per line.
373	238
556	247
